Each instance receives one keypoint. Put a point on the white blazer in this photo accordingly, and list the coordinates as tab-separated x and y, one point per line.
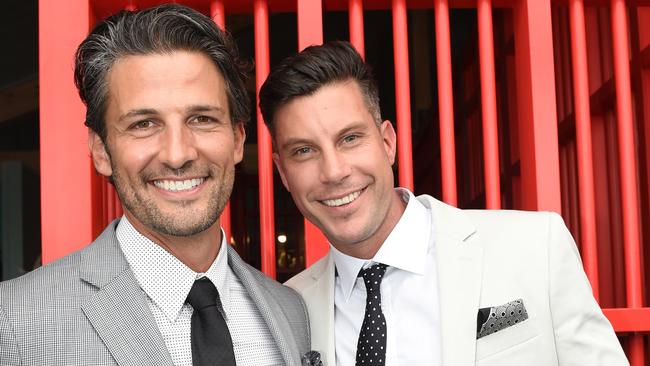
489	258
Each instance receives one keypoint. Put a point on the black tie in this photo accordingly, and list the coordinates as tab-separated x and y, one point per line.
371	348
211	342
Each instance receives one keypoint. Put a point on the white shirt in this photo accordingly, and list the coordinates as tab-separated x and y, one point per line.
409	293
166	281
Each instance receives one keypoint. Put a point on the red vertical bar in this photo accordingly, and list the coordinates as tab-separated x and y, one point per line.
574	211
310	32
218	14
586	189
557	55
355	14
446	103
538	137
565	62
489	105
310	23
402	94
264	151
63	137
627	158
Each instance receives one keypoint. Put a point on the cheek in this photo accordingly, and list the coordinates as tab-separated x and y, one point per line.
132	157
298	180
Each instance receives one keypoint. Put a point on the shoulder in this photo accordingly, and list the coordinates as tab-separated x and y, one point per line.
309	276
507	223
46	279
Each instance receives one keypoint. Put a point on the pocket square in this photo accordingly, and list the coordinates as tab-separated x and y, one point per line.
312	358
496	318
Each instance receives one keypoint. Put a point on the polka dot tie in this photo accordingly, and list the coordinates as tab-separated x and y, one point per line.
371	348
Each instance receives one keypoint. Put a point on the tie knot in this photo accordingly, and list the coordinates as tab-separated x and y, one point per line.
373	275
202	294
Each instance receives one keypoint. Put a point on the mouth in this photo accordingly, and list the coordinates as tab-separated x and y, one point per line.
178	185
337	202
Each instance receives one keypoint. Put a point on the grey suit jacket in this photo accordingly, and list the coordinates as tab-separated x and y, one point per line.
88	309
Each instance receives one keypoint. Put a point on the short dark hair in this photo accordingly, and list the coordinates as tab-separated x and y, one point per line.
305	72
158	30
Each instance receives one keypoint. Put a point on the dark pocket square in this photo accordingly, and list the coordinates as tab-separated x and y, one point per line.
311	358
494	319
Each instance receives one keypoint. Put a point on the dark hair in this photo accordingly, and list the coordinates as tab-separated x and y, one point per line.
305	72
158	30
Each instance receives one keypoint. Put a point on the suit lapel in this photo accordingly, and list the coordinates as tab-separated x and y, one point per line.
460	263
319	298
269	309
119	311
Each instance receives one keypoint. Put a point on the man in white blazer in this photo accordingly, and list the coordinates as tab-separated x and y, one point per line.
410	280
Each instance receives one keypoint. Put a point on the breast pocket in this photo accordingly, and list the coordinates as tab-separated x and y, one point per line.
508	340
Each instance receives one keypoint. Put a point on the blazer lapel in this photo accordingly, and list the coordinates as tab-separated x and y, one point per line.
119	311
269	309
319	298
460	263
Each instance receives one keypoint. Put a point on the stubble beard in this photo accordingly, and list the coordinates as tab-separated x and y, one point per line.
186	221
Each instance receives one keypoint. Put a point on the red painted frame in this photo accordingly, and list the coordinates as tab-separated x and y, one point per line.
69	224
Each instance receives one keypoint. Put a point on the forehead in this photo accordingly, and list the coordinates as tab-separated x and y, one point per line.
155	80
331	108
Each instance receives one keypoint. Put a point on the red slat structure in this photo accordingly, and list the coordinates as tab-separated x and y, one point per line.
445	103
264	148
355	14
489	106
69	185
402	94
547	164
627	158
586	190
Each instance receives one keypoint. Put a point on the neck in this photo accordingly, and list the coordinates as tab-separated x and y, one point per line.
198	251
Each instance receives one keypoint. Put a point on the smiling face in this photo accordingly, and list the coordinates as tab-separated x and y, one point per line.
171	147
336	162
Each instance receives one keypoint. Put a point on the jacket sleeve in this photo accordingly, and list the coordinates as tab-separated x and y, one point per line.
583	335
8	347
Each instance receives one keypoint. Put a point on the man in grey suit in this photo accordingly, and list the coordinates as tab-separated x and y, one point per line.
166	107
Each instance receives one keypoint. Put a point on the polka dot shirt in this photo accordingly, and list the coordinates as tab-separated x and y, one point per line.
166	281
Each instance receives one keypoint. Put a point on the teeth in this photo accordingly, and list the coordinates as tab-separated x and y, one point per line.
178	185
343	200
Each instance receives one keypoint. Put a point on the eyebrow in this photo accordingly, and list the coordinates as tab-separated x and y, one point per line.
190	109
355	126
294	141
302	141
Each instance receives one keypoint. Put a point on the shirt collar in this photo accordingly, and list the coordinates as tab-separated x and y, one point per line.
163	277
405	248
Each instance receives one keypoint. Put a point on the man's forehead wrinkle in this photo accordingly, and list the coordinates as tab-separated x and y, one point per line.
189	109
138	112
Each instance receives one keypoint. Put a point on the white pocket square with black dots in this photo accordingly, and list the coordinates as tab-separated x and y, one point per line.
496	318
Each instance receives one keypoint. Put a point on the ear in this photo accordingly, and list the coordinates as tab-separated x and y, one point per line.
390	140
278	164
101	159
240	138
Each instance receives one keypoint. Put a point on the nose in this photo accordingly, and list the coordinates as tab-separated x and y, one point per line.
335	167
178	146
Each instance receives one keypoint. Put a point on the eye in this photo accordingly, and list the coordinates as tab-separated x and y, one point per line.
202	119
301	151
350	138
142	125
